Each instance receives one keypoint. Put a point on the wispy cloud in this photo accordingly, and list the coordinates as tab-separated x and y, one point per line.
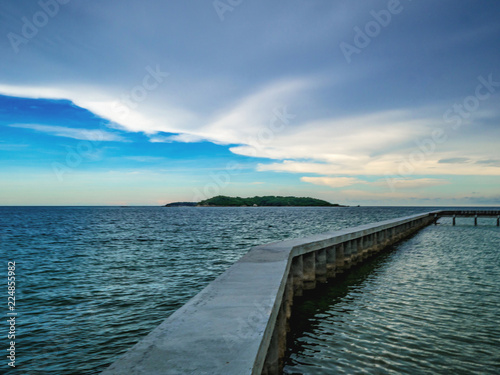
13	146
453	160
398	183
412	183
81	134
491	162
334	182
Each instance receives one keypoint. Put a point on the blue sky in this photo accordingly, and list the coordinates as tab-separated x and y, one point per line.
144	103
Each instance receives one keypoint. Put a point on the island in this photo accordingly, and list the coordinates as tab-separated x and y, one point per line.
181	204
265	201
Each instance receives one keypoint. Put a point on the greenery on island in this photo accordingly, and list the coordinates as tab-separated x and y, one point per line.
271	200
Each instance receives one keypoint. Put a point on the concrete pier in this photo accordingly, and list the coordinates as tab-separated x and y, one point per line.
239	322
467	213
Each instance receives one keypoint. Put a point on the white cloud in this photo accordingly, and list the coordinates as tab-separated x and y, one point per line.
334	182
12	146
411	183
83	134
378	143
393	183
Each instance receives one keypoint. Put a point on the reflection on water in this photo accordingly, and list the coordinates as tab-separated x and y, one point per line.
430	307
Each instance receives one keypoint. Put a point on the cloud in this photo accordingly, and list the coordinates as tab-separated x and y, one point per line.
184	138
145	159
491	162
334	182
453	160
411	183
83	134
12	146
395	183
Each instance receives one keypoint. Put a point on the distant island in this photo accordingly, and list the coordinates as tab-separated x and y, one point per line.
266	201
182	204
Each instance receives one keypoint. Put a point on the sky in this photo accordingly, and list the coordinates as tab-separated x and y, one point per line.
124	102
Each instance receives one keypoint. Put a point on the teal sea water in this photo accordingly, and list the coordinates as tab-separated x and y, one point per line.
430	306
92	281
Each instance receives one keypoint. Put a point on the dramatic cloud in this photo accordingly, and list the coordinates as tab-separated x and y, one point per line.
268	86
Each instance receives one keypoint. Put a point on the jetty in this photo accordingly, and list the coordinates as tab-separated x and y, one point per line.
468	213
238	324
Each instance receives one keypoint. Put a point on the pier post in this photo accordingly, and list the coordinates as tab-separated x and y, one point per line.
330	262
321	266
298	274
498	221
454	219
347	255
475	220
339	259
309	272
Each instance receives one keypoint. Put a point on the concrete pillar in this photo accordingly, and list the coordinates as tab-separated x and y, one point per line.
475	220
376	237
354	251
383	241
371	244
454	219
281	332
288	299
309	271
339	259
271	364
364	246
330	261
347	255
277	347
320	266
298	274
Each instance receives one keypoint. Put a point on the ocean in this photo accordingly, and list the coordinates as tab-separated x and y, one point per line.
92	281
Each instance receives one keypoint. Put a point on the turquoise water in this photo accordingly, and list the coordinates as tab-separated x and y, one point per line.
93	281
432	306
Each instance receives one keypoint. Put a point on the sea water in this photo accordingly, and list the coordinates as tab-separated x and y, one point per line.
92	281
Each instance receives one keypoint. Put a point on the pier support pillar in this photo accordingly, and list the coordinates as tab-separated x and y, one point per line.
454	219
309	271
347	255
498	221
475	220
330	262
320	266
339	258
298	276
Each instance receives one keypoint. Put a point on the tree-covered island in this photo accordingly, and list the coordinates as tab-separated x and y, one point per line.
265	201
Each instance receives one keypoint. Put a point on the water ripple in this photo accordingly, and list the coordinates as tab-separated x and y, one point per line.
430	307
